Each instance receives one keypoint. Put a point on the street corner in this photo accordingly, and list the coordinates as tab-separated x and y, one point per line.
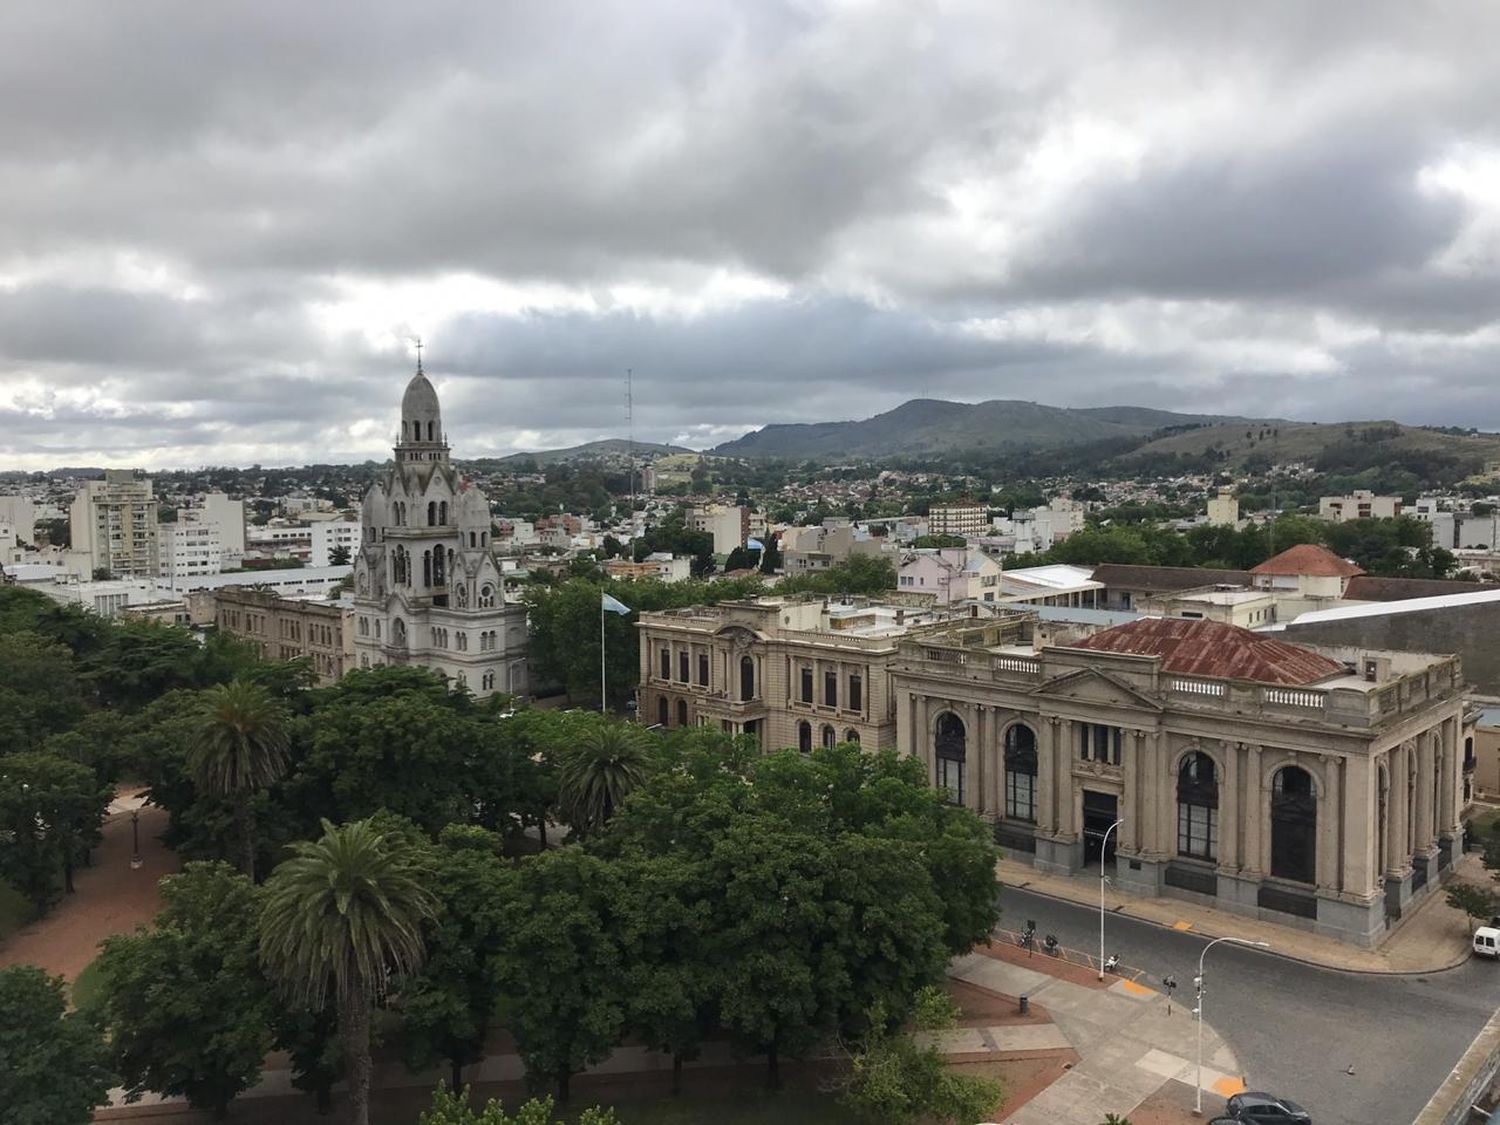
1133	989
1172	1104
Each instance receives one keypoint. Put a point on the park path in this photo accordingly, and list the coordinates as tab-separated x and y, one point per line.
109	898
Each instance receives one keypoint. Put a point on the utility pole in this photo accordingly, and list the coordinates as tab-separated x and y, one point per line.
630	438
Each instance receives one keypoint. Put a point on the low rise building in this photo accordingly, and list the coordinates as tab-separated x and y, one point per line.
1361	505
1320	788
1223	510
290	628
950	574
660	566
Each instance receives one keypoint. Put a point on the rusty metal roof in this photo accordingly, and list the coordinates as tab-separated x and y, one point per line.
1211	648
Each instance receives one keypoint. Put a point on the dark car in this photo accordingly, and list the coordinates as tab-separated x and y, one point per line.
1256	1108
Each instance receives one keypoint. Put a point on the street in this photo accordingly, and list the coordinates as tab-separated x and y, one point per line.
1296	1028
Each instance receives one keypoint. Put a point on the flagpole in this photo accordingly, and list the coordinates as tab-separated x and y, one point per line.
603	697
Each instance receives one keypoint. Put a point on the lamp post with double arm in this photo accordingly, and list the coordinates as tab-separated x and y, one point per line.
1103	850
1198	1011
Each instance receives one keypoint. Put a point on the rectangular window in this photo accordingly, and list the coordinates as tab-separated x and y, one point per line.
666	664
703	669
856	693
950	780
807	685
683	667
1099	743
1197	831
830	688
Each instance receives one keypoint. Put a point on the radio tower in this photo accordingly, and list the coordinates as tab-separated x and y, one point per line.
630	439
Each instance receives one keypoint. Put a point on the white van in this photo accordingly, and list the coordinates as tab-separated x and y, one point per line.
1487	941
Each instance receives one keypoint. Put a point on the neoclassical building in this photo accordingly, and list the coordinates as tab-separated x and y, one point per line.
427	588
1319	787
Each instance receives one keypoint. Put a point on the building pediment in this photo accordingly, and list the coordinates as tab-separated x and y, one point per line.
1090	685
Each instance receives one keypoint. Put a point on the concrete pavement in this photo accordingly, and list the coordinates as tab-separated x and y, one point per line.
1432	937
1128	1044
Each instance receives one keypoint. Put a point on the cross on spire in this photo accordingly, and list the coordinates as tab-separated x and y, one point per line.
419	355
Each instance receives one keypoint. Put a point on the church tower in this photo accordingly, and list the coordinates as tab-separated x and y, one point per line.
427	586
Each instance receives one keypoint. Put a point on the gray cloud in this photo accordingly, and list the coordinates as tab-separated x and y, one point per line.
218	226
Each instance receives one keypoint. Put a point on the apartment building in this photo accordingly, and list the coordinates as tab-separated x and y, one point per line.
188	548
950	574
113	522
957	519
730	525
290	629
1363	504
329	536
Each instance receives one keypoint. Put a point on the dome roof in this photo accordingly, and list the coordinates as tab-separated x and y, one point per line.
420	400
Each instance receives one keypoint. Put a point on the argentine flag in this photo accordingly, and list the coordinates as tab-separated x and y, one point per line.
754	544
614	605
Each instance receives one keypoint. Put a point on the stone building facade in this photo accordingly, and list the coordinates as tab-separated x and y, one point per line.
290	628
427	584
1314	787
793	672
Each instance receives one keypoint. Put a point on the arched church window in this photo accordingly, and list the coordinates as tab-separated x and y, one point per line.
431	512
1020	772
486	596
951	746
443	512
426	568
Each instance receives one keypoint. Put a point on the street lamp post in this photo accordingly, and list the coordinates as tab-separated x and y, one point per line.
1198	1011
135	836
1103	848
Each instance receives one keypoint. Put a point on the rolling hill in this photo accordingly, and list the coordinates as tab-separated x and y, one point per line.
602	450
925	427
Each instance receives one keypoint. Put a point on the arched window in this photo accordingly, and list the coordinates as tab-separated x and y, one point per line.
852	736
473	539
431	513
1294	825
443	512
682	713
1020	773
398	633
1198	807
661	711
829	737
426	568
747	678
429	431
804	736
951	744
486	596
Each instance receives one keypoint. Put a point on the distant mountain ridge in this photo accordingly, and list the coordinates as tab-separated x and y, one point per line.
927	426
603	449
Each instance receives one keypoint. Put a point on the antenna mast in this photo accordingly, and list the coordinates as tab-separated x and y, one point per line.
630	438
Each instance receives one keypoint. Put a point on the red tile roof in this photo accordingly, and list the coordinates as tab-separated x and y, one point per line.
1308	560
1192	647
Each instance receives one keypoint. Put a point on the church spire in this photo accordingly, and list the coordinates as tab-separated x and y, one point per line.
419	355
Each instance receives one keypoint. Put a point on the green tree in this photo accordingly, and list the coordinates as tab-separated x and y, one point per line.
242	747
449	1108
311	1041
447	1005
598	772
343	919
188	1008
1475	902
53	1063
338	556
561	968
50	813
39	693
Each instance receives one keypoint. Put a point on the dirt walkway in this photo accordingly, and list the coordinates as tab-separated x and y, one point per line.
109	898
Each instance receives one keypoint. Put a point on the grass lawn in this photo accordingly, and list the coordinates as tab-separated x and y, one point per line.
86	987
15	910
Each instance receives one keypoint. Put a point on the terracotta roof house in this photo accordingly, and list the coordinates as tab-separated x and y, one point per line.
1308	568
1125	584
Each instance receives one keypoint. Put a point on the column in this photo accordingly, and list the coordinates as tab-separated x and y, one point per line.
1165	796
1046	774
1326	862
1400	811
924	739
981	758
1451	790
1423	840
973	753
1254	811
904	707
1360	826
1130	768
1229	820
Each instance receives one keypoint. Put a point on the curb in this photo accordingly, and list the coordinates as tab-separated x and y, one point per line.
1031	888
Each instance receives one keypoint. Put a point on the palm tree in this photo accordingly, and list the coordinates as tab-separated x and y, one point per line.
243	736
343	919
599	773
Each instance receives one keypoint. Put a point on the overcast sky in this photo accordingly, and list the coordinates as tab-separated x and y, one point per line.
221	224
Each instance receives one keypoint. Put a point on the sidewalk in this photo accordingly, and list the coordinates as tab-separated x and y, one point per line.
1431	937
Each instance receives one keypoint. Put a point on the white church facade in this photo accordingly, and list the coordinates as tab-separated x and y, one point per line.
427	587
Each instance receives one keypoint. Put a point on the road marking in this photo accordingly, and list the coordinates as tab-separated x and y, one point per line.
1182	925
1228	1087
1136	989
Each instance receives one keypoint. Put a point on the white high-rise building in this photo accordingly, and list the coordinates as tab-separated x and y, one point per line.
427	586
20	513
113	522
331	535
190	547
229	516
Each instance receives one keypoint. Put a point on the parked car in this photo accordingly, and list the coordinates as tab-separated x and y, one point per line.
1487	941
1256	1108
